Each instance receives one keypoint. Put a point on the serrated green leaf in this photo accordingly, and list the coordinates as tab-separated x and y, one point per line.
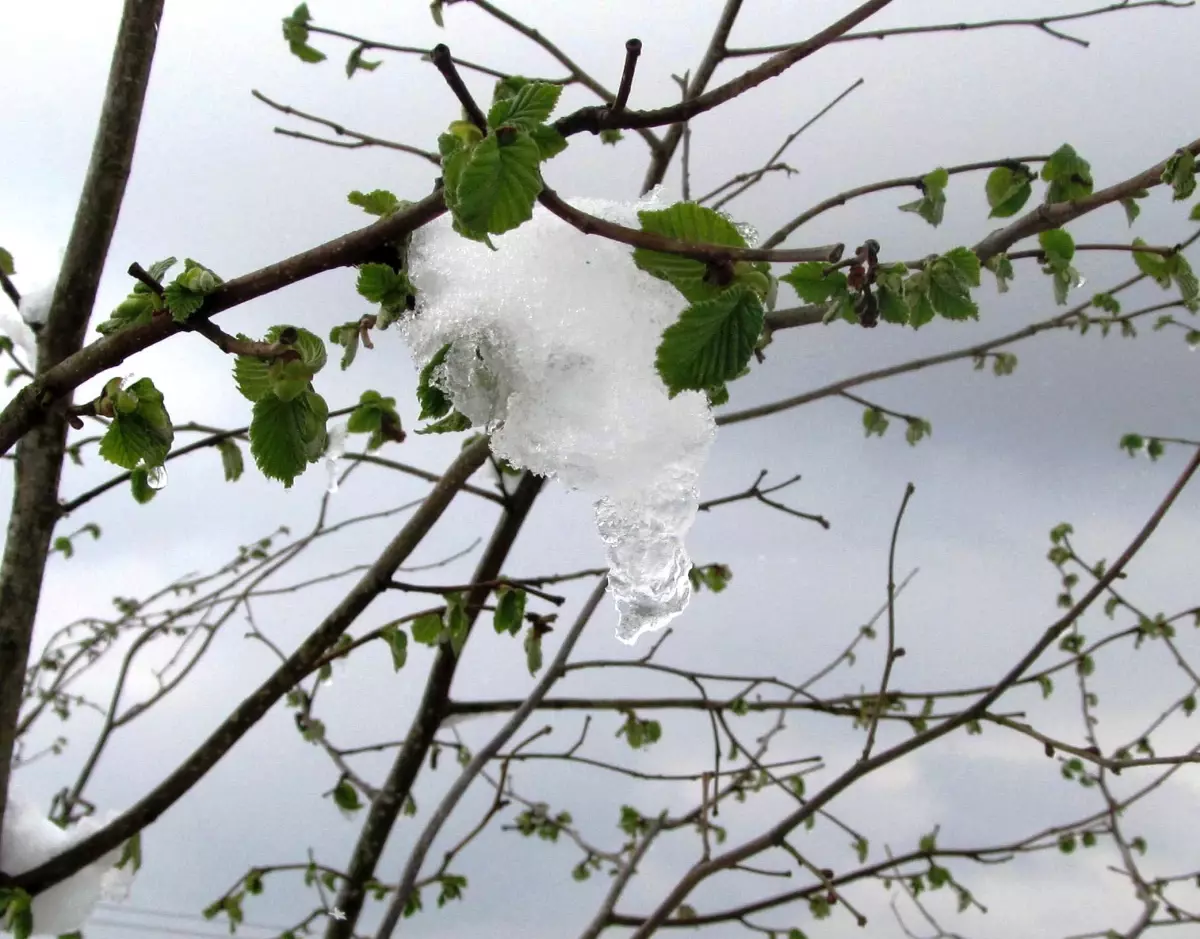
157	271
231	459
1185	279
397	641
182	303
1132	209
456	623
510	610
143	435
451	423
531	105
378	202
434	402
1069	175
917	430
874	422
290	378
813	284
966	265
691	224
711	342
611	136
947	293
499	183
252	376
1008	190
285	436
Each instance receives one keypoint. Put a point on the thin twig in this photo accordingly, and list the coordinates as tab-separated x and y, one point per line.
633	48
441	57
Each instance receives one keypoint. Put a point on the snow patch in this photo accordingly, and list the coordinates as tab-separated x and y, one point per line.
554	338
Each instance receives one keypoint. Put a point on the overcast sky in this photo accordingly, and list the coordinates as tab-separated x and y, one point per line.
1008	459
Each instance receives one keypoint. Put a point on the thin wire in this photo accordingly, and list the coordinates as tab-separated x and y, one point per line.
142	927
107	907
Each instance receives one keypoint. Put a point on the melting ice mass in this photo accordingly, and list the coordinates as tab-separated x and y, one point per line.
554	337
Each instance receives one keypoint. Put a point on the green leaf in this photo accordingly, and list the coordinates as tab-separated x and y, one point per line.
691	224
434	402
131	853
932	204
135	310
252	376
550	142
1069	175
1153	265
1194	215
17	907
711	342
345	796
874	422
285	436
348	336
427	629
63	545
510	610
889	289
139	485
1001	266
381	284
185	294
1185	280
611	136
397	641
456	622
142	434
1008	190
231	459
1129	204
1132	443
6	263
918	428
813	285
499	183
715	577
295	31
948	291
356	62
376	202
451	423
532	105
1180	174
533	649
1058	246
965	263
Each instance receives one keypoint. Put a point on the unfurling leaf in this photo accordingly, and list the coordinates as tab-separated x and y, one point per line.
450	424
140	431
356	61
529	107
533	649
1069	175
378	202
185	294
434	402
510	610
231	459
345	797
427	629
1008	189
932	204
1180	174
295	31
397	641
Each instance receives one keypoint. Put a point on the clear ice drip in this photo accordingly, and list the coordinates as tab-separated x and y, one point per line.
554	337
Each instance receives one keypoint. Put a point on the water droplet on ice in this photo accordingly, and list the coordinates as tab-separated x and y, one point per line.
156	477
1078	280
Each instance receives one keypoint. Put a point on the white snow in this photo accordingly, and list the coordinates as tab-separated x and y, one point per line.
554	341
30	839
35	304
16	329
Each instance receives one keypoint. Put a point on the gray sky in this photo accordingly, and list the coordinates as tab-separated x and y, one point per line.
1008	459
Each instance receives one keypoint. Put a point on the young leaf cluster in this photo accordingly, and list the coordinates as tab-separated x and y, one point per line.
1167	270
295	32
288	424
140	433
139	307
492	178
377	416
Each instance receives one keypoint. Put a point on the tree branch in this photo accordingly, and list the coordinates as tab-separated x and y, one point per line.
381	816
359	139
252	709
591	225
40	455
441	814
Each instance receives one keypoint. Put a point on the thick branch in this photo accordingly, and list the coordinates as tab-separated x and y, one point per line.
40	456
253	708
412	867
381	816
